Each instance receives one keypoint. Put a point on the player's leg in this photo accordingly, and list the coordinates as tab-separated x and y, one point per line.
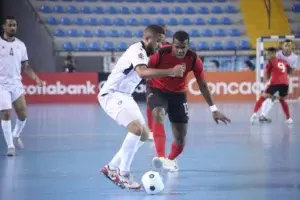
19	104
283	92
265	95
124	110
158	104
6	108
266	106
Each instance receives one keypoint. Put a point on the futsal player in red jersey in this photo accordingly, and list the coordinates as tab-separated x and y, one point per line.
278	71
168	95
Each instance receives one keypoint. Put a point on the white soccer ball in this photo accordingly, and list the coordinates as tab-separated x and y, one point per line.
152	182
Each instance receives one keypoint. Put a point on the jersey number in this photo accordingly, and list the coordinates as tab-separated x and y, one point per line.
281	66
11	52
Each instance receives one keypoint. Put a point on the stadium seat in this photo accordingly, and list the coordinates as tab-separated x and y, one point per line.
221	1
127	34
213	21
87	33
68	46
58	9
144	1
165	11
190	11
231	9
207	33
100	33
113	33
108	46
203	10
112	10
172	21
138	10
98	10
119	22
199	21
146	22
202	46
220	33
244	45
139	33
133	22
82	46
230	45
235	33
65	21
73	33
186	21
52	20
169	1
194	33
94	22
226	21
151	10
72	9
125	11
159	21
106	21
59	33
296	8
122	46
169	33
193	46
86	10
217	45
182	1
95	46
216	10
178	10
79	21
156	1
46	9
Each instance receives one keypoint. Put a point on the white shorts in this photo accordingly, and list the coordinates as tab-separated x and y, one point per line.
121	107
8	96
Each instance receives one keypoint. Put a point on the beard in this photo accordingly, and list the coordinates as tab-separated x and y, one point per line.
150	50
11	34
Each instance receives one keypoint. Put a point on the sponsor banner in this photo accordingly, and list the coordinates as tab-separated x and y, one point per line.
234	86
62	88
139	93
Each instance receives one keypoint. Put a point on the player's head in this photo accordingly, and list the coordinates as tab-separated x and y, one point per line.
9	26
180	44
271	52
153	38
287	46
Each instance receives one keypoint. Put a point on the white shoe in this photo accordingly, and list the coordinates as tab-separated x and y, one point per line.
11	151
254	118
150	138
18	142
128	182
165	163
289	121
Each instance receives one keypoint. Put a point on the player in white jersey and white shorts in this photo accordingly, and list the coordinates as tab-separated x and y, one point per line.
13	57
285	54
116	99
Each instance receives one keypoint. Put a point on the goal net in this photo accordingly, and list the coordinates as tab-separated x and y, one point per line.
275	41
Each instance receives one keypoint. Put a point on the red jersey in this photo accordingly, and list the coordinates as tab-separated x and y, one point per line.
278	69
164	59
165	44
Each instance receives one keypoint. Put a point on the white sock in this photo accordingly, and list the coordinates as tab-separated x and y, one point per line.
18	127
267	105
6	127
128	150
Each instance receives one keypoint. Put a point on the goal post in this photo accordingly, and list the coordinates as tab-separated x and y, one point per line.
261	42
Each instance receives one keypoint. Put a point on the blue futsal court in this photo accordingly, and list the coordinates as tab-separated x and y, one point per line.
66	145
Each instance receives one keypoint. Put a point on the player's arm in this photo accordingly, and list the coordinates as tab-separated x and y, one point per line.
27	68
203	87
267	74
141	67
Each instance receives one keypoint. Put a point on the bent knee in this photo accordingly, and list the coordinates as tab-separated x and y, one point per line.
5	114
158	114
136	127
21	114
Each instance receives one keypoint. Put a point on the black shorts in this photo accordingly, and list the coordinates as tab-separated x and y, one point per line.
282	89
175	104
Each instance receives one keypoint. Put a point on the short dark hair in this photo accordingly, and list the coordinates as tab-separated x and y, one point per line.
181	36
8	18
272	49
155	29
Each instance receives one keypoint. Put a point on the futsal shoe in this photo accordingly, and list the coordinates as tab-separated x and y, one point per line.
289	121
11	151
165	163
111	174
254	118
18	142
127	181
150	138
263	119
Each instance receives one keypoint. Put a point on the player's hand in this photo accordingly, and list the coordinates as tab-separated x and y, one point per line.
179	70
38	81
218	116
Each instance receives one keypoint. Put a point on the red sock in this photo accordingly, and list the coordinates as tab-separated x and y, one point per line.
285	108
175	151
258	104
159	136
149	117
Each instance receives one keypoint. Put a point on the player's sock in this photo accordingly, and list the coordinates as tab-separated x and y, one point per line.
258	104
159	136
128	150
18	127
267	105
175	151
149	117
115	162
285	108
6	127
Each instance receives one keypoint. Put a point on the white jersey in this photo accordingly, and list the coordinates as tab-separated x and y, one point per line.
291	59
123	77
12	54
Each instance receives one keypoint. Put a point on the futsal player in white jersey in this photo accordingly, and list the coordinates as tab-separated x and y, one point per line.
13	57
286	54
116	100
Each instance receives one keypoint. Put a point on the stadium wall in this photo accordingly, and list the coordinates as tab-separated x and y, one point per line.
39	43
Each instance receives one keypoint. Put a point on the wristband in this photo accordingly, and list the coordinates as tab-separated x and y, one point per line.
213	108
